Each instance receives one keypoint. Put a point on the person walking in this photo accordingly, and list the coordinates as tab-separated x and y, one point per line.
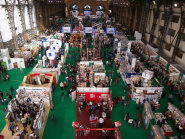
65	85
11	128
1	94
53	119
62	96
21	70
6	94
1	100
61	85
12	89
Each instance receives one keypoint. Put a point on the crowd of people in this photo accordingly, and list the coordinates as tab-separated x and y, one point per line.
24	114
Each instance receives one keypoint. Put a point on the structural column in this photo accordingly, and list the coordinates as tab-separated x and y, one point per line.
179	36
1	42
10	10
30	12
37	15
144	18
155	17
21	7
168	12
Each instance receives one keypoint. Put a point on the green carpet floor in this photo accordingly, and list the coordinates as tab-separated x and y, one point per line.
65	112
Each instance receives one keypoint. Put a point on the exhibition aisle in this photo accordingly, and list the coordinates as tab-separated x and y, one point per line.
64	112
119	111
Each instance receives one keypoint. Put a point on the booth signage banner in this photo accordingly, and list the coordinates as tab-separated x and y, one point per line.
88	30
66	29
111	31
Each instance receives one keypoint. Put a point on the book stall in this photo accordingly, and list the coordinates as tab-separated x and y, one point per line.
38	69
92	97
147	115
156	133
32	103
144	89
177	115
91	73
19	60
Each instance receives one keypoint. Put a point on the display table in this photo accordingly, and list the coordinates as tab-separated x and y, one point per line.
167	130
159	117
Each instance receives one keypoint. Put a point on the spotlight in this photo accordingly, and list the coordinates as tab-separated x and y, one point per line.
154	2
175	4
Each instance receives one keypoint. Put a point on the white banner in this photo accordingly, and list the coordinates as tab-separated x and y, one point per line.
110	30
66	30
88	30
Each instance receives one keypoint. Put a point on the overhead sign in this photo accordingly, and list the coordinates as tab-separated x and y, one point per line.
66	29
87	13
111	31
88	30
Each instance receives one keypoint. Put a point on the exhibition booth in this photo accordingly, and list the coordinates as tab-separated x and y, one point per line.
38	86
156	133
176	115
18	60
94	95
91	73
54	44
91	66
38	69
143	88
86	116
38	120
32	103
147	115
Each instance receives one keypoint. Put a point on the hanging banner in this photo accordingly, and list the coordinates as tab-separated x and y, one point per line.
66	29
111	31
158	57
88	30
167	66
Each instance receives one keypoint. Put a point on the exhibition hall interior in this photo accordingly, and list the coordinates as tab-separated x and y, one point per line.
92	69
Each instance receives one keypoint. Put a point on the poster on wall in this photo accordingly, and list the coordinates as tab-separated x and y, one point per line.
111	31
88	30
66	29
